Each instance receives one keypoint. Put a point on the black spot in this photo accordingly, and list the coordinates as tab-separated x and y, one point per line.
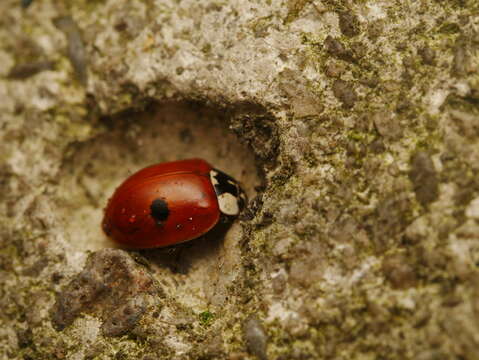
159	210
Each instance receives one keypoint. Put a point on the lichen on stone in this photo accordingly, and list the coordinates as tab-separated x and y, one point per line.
352	125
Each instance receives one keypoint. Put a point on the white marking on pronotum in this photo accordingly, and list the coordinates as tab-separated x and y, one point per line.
228	204
213	179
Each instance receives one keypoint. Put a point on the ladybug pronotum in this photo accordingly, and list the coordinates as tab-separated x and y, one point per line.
169	203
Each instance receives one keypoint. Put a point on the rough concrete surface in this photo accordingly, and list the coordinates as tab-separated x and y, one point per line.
353	126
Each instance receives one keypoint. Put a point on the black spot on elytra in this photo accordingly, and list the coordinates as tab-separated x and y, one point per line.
159	210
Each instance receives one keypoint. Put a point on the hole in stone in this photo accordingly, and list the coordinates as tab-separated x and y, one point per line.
199	273
93	169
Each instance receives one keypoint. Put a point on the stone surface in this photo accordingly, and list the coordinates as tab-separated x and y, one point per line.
352	126
111	286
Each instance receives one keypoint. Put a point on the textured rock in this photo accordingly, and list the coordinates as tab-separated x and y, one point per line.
255	337
352	125
111	286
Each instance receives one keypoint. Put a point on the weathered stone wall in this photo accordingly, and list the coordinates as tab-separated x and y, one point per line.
353	125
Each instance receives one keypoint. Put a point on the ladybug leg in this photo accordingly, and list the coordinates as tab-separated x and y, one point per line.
171	257
178	260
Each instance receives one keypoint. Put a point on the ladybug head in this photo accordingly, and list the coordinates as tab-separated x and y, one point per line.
231	197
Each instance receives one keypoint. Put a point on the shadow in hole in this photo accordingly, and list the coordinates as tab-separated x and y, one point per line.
180	258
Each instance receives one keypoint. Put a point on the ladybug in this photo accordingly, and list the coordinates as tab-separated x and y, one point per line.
171	202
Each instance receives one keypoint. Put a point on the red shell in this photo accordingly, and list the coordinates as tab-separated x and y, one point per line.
186	188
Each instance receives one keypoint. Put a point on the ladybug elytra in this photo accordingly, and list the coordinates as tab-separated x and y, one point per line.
169	203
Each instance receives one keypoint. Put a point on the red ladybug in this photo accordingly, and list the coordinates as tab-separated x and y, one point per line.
169	203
